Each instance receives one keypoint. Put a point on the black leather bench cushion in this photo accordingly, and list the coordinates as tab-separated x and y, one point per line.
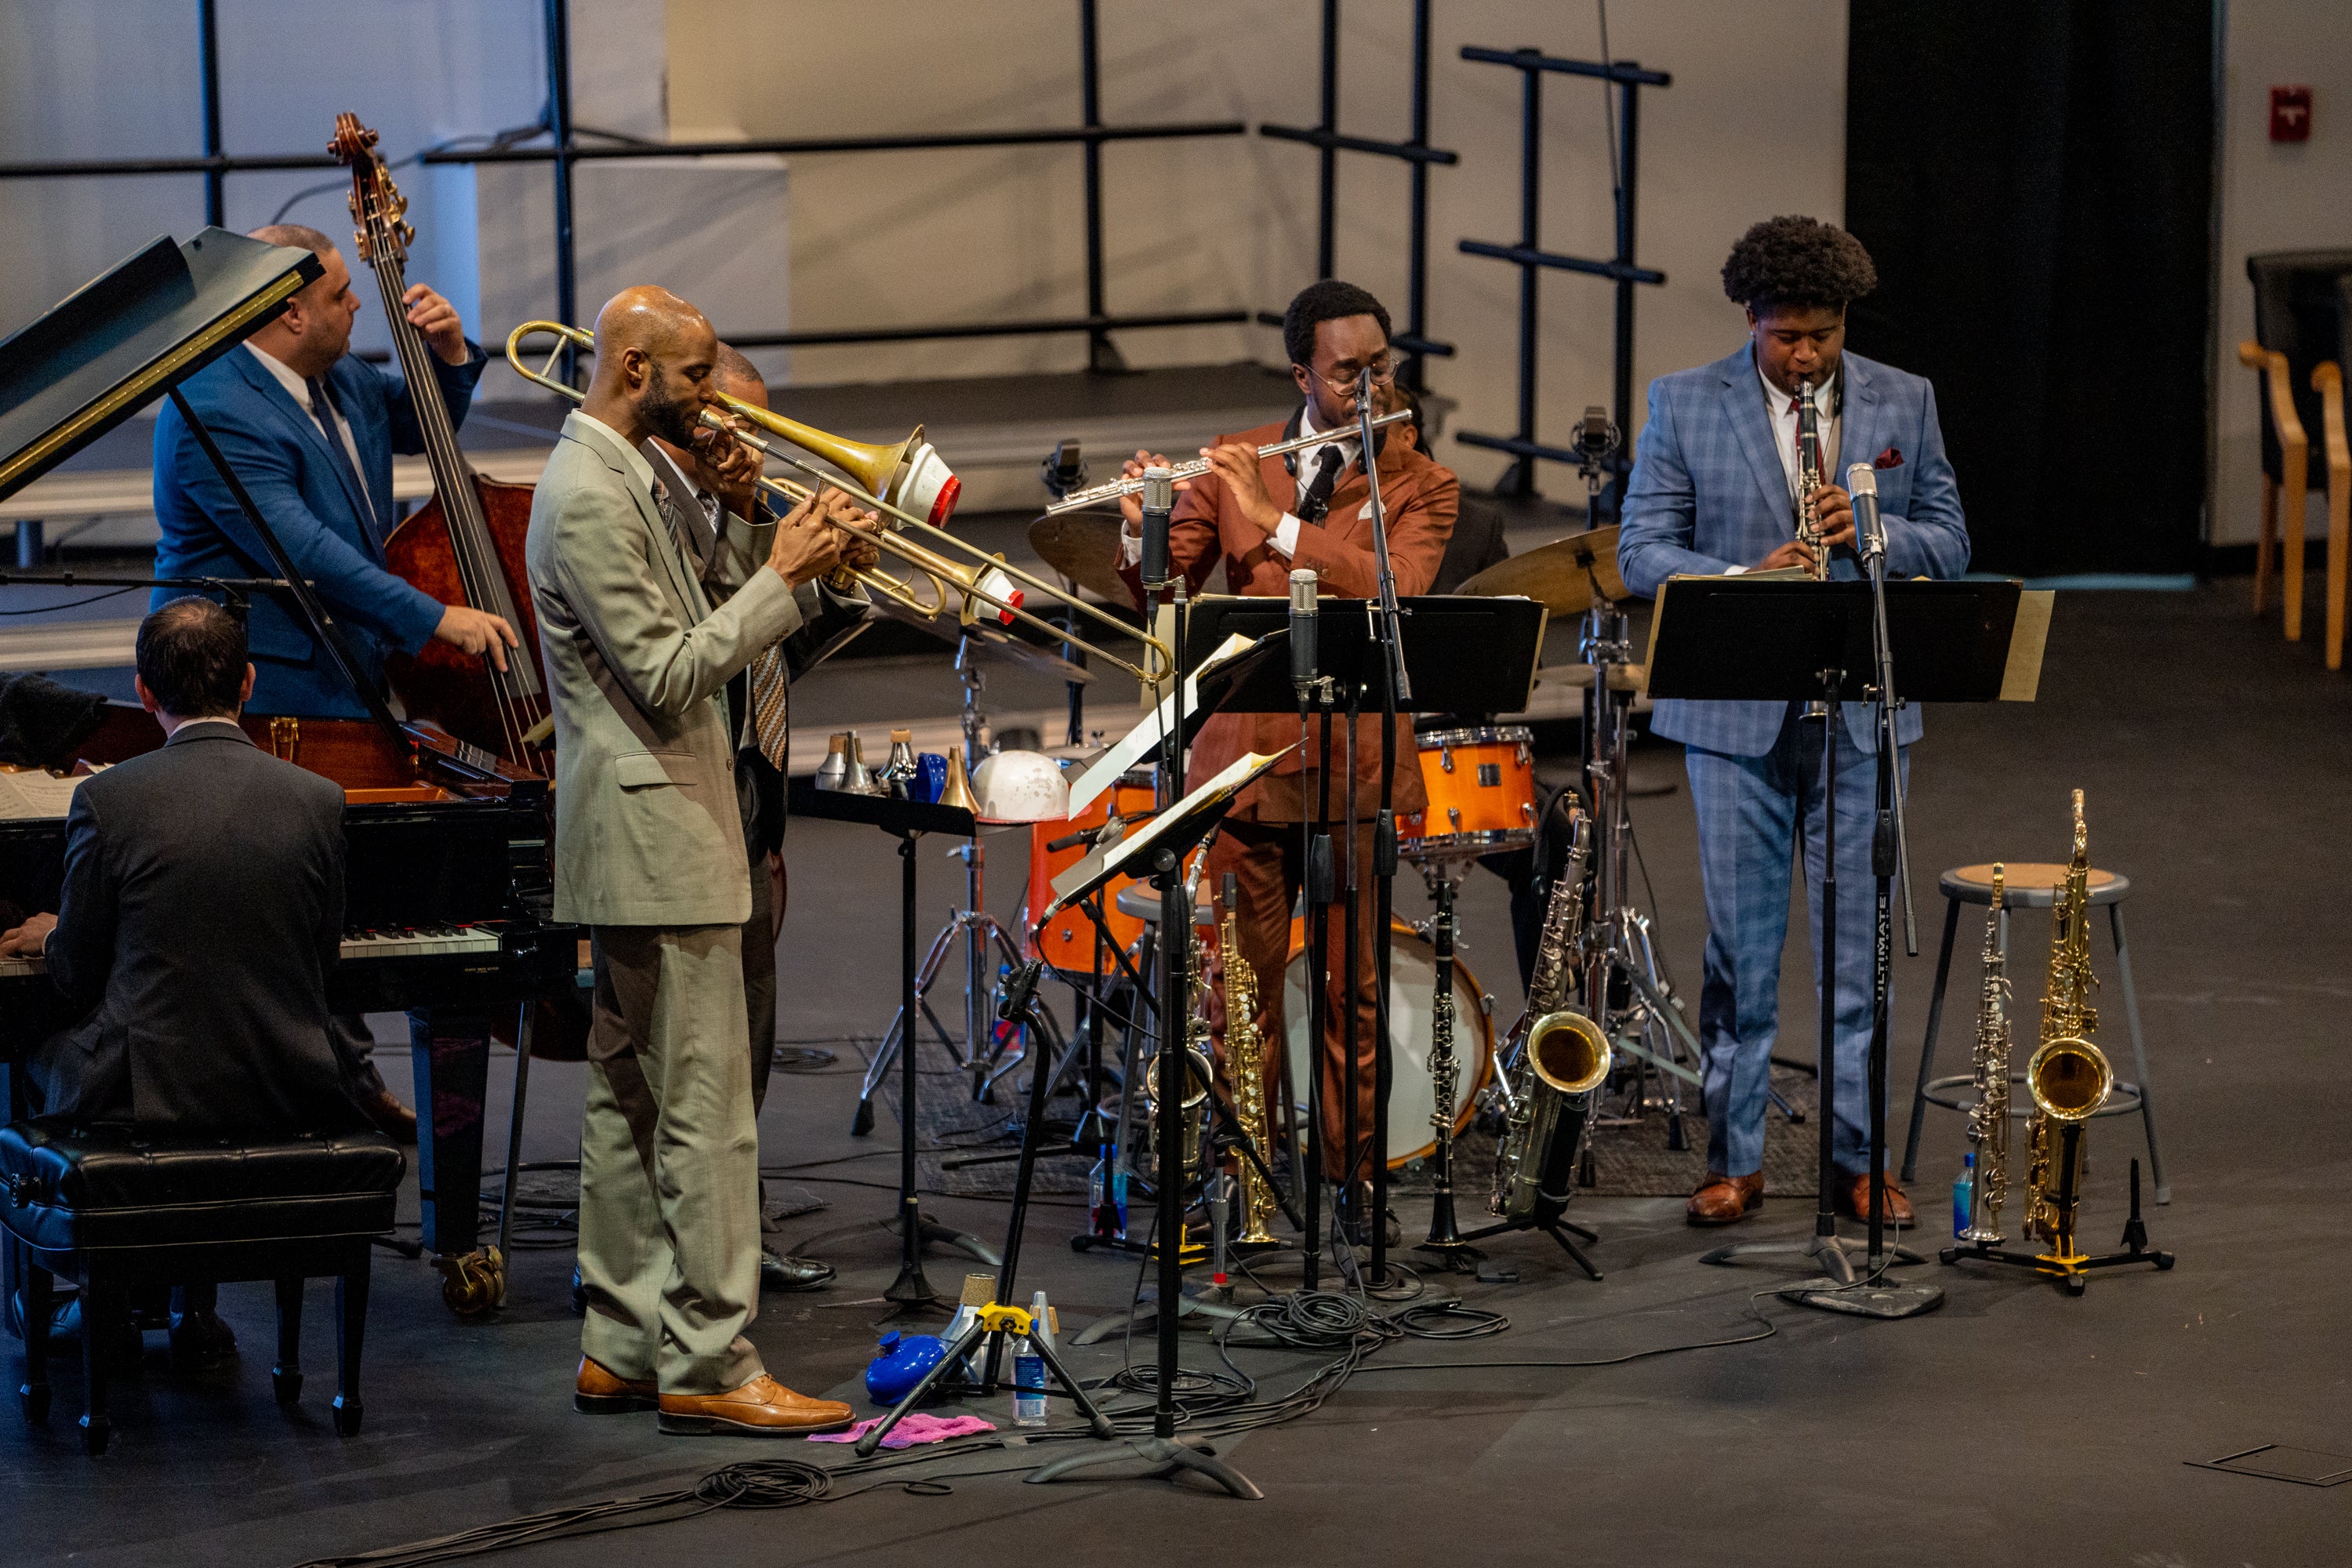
64	1187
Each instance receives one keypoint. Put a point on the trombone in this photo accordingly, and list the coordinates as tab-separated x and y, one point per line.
909	470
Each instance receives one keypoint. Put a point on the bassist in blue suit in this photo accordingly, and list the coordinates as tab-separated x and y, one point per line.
310	430
1714	491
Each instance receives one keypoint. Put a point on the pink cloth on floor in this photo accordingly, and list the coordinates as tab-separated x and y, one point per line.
918	1428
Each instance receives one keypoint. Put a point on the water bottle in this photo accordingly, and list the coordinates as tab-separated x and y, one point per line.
1028	1385
1964	1192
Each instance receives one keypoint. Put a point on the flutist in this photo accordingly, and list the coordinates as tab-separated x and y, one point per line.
1716	487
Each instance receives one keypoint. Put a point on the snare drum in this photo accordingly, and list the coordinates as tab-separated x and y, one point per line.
1412	1098
1067	941
1481	794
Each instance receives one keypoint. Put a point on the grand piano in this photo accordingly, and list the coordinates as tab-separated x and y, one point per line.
447	879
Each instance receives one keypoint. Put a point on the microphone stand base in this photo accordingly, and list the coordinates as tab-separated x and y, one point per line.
1164	1458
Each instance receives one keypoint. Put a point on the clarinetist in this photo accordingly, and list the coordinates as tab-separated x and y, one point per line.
1716	488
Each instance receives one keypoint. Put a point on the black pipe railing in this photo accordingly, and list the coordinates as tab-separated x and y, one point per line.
1532	259
1417	152
565	152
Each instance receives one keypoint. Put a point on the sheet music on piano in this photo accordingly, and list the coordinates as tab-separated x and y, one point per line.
34	795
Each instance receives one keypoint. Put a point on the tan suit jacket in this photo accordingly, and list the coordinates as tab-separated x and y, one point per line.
1207	527
648	831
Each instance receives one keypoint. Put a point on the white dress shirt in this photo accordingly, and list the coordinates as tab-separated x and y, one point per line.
299	391
1284	537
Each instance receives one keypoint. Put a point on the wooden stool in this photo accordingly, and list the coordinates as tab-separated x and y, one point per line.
2034	887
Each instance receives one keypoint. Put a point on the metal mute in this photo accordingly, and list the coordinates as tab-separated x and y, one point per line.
957	791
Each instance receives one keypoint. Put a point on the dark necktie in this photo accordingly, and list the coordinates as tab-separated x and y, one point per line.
1317	499
322	410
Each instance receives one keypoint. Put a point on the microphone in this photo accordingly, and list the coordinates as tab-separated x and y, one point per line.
1159	500
1064	469
1869	530
1304	620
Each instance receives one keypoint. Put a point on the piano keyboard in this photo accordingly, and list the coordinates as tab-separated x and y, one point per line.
367	946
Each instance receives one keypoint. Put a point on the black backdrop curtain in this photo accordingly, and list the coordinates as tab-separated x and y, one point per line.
2035	180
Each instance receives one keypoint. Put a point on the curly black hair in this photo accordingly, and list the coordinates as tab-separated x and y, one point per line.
1798	261
1328	301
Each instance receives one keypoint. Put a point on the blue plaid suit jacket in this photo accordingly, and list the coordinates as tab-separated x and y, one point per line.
1707	493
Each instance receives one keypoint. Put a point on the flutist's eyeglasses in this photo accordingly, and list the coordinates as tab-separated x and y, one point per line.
1383	370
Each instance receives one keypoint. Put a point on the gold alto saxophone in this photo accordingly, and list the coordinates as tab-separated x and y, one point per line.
1988	1117
1199	1071
1563	1056
2068	1076
1245	1060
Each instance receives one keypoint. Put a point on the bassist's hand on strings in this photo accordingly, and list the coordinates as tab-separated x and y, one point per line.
478	632
437	320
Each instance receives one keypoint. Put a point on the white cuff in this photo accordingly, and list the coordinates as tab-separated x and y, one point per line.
1130	547
1284	537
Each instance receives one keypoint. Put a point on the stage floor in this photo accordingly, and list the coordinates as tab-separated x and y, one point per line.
2012	1425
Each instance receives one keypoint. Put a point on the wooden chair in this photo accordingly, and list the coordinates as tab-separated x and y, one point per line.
2298	331
2328	380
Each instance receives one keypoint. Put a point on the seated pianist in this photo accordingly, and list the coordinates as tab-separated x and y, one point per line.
203	905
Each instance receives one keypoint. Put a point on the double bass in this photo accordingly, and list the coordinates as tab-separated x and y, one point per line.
464	546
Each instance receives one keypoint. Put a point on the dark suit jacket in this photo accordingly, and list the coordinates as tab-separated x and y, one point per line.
280	455
1207	527
203	904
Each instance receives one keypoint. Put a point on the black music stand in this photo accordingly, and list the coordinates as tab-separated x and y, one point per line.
1462	654
905	820
1775	639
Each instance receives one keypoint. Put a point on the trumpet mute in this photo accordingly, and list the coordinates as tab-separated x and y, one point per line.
998	585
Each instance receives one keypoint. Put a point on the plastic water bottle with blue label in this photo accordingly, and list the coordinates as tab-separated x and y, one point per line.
1028	1385
1964	1193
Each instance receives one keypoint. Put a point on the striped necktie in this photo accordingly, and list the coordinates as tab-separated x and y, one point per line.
772	678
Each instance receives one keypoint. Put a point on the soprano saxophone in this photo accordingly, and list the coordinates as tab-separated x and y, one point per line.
1988	1117
2069	1076
1245	1060
1563	1056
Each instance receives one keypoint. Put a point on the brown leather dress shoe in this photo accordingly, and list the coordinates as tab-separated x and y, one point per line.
1721	1199
600	1391
761	1408
1853	1199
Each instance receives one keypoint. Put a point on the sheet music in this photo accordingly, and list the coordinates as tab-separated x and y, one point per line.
1106	858
1145	738
34	795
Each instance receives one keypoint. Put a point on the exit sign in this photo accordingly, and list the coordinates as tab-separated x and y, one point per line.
2290	114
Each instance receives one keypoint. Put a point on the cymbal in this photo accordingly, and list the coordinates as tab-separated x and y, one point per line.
1621	676
1083	549
1560	575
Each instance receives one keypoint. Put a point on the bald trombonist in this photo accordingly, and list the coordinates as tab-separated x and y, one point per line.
649	853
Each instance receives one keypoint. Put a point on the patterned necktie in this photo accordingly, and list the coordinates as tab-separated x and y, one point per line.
322	410
1317	499
772	725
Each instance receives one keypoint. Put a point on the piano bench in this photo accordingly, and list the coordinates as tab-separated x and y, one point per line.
116	1211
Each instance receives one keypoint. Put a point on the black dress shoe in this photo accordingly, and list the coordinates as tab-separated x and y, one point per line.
782	1271
200	1343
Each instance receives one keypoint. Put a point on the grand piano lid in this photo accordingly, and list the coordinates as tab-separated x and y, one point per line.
128	337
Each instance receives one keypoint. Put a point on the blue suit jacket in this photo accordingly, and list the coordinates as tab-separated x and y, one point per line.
1707	493
335	537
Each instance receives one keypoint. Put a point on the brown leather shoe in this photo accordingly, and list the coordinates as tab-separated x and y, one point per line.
1853	1199
761	1408
600	1391
387	1115
1721	1199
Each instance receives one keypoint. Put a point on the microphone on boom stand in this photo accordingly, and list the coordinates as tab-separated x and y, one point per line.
1303	619
1869	528
1158	501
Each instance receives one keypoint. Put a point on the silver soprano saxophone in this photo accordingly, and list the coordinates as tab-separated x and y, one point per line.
1988	1117
1563	1056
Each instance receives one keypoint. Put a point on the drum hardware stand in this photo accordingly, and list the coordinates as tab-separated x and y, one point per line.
914	1228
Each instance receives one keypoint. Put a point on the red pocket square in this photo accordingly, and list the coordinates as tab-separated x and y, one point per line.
1890	459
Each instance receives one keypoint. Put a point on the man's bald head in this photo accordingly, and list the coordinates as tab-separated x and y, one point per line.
655	356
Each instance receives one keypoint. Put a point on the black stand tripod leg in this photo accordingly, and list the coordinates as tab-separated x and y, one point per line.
1559	1233
1075	1390
910	1289
949	1358
1165	1456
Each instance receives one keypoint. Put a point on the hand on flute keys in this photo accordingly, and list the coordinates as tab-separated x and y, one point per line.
1130	506
817	535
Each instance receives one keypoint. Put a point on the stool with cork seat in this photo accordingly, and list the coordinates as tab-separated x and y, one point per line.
2027	885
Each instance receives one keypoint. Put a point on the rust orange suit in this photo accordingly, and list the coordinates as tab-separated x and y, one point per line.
1260	842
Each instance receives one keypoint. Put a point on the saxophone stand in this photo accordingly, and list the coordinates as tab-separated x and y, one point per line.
1750	638
907	821
2062	1262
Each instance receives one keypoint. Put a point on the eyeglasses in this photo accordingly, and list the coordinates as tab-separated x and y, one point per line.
1383	370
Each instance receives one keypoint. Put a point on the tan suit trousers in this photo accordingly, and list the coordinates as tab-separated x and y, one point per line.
670	1161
